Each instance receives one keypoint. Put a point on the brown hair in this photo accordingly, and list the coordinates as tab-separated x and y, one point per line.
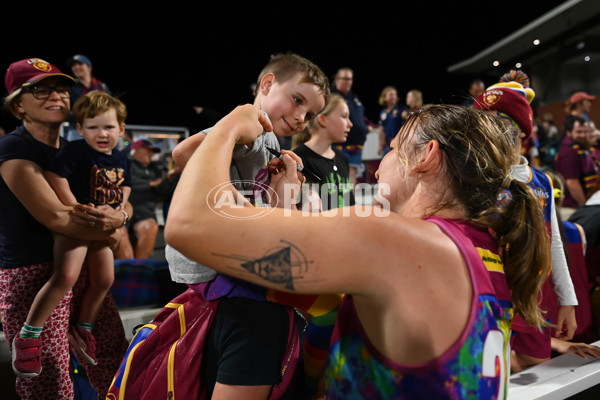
98	102
477	150
285	66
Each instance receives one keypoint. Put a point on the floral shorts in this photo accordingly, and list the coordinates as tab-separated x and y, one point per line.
18	288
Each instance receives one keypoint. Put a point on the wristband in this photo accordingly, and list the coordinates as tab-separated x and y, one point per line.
126	217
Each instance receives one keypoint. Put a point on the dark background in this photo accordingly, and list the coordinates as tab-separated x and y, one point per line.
161	61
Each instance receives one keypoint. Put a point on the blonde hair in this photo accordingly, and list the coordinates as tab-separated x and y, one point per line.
418	98
384	93
333	100
10	103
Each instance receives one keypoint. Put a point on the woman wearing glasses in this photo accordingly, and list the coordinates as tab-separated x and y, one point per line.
29	212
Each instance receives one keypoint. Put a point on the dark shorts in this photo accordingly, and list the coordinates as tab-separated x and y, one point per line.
141	213
246	344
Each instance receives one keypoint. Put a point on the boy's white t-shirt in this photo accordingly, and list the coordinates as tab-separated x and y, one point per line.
249	174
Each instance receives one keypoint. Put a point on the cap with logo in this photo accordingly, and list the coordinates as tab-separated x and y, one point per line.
30	71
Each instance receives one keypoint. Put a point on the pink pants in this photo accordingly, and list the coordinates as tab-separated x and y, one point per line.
18	288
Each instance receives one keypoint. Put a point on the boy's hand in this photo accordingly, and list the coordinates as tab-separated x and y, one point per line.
286	180
276	165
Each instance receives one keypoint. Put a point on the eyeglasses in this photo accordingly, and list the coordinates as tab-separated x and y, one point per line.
42	92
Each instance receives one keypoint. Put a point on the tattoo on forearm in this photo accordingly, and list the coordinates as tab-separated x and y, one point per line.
283	264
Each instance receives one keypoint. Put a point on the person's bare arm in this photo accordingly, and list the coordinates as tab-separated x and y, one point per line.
60	185
580	349
126	193
184	150
520	361
28	183
206	226
576	190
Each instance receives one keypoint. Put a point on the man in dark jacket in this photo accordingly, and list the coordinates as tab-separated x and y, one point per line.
151	183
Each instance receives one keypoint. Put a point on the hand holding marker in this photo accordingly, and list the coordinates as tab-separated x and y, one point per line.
280	156
305	171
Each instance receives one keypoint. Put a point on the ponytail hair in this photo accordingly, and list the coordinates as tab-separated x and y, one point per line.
523	238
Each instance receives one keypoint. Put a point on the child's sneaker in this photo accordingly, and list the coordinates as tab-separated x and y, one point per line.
85	345
27	356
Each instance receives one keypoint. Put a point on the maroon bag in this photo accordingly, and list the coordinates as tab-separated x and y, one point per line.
164	358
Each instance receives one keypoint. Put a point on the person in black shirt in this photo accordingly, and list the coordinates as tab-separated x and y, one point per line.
151	183
331	125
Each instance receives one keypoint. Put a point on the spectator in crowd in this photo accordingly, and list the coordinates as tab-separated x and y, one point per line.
353	146
575	163
151	184
331	125
81	66
414	101
580	104
550	142
390	118
476	87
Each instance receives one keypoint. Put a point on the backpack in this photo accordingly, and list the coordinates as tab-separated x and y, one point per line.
164	358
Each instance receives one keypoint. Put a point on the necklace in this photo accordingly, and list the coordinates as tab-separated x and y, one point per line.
332	161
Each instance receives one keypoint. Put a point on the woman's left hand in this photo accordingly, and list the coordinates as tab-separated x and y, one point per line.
102	217
286	180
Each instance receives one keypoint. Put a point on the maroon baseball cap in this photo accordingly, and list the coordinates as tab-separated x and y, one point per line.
138	144
30	71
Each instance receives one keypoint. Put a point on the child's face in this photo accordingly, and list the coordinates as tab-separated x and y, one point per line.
338	123
102	132
290	104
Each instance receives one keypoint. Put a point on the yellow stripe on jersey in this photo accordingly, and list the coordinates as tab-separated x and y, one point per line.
492	261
